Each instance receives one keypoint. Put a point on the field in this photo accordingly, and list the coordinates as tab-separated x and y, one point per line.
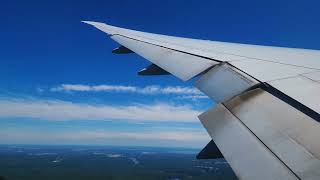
18	162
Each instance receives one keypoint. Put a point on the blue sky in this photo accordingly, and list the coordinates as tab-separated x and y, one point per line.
60	83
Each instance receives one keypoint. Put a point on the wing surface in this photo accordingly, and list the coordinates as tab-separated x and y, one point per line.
266	121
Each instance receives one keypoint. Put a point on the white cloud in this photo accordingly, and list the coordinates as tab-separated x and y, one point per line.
64	110
194	97
131	89
106	88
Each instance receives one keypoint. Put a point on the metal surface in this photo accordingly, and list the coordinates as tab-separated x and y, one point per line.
183	66
222	51
223	82
291	135
268	71
313	76
302	89
262	136
246	154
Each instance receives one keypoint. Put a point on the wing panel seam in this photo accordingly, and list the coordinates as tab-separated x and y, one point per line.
217	52
262	142
292	102
169	48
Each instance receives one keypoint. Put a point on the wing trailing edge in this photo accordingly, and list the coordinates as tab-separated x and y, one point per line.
223	82
264	132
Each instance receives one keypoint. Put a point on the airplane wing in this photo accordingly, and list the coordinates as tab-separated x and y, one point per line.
266	121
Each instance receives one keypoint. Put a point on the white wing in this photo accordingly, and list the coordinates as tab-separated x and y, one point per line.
266	123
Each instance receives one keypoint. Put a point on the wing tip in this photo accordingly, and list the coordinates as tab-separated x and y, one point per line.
93	23
103	27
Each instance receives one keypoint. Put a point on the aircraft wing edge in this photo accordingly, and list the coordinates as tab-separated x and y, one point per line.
266	137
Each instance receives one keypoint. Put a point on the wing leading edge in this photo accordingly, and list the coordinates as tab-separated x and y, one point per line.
266	121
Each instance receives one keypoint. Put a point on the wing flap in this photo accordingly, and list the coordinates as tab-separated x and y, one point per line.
247	155
282	129
299	83
223	82
268	122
